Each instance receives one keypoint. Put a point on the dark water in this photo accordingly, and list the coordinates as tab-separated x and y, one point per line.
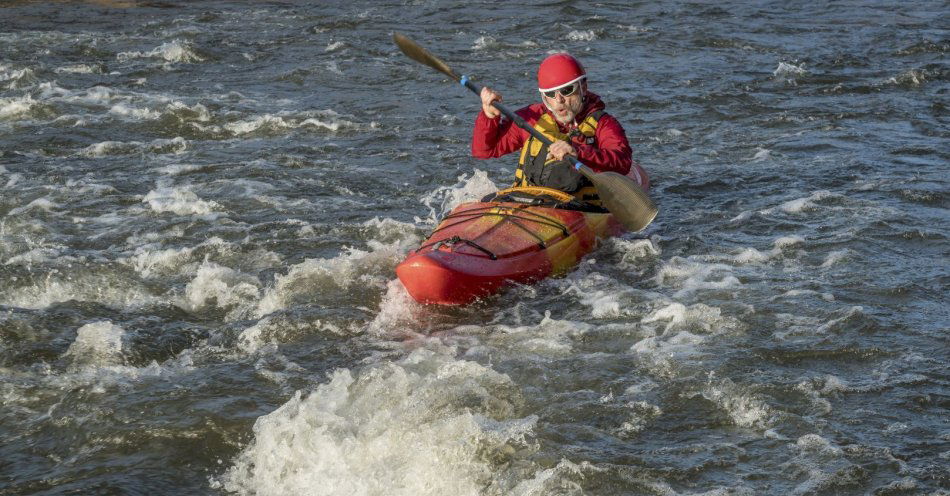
202	205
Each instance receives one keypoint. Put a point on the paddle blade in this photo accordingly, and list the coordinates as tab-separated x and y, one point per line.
421	55
623	197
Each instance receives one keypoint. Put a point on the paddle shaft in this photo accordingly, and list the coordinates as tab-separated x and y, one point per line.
477	89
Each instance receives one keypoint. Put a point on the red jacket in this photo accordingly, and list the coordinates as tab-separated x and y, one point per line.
496	137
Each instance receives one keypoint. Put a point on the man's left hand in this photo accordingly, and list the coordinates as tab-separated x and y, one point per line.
559	149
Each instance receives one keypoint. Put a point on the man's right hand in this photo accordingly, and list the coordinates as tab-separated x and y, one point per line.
488	96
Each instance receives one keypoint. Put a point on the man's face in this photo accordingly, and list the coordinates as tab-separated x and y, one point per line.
565	108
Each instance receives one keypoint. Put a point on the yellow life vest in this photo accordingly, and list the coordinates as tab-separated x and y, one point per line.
535	170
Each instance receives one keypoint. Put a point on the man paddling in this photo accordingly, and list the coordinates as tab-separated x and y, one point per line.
573	118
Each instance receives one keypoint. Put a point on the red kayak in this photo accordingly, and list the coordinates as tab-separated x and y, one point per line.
521	236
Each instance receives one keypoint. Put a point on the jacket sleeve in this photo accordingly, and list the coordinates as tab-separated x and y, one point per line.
611	152
495	137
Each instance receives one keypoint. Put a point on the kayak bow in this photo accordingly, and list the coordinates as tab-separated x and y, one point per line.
521	236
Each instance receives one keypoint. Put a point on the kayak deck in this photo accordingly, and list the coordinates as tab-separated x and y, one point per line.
481	247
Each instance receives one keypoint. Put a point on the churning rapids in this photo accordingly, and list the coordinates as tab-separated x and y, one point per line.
202	206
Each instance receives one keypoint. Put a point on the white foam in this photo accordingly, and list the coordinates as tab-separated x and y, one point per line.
677	316
124	110
675	331
79	69
35	256
332	47
176	169
353	267
795	293
20	78
179	200
106	147
813	443
602	303
596	291
150	263
854	311
43	204
555	480
588	35
913	77
325	119
249	126
267	333
176	145
834	384
97	95
801	205
761	154
641	414
835	257
744	409
483	42
636	252
742	217
751	255
469	188
788	241
754	256
691	276
196	112
103	288
174	51
12	108
789	70
98	343
222	287
420	426
81	187
549	337
13	180
397	313
388	230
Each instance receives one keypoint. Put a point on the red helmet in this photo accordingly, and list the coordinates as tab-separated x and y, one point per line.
559	70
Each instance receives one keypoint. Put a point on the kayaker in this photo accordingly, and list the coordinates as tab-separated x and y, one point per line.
573	118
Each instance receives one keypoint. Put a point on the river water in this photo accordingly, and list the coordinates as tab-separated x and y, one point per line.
202	206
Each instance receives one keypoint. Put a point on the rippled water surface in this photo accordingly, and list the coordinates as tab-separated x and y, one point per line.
202	205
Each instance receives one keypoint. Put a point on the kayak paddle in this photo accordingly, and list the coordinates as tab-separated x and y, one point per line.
621	195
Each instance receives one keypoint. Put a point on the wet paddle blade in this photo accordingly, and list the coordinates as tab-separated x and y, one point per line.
624	198
421	55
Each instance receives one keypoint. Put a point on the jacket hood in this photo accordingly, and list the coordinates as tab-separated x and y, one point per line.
593	104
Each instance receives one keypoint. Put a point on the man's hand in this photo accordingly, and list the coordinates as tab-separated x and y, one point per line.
559	149
488	96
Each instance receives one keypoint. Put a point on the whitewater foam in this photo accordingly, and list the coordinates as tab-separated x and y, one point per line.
221	287
16	107
352	268
350	435
468	188
744	409
177	146
98	343
790	71
691	276
835	257
180	200
588	35
173	51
